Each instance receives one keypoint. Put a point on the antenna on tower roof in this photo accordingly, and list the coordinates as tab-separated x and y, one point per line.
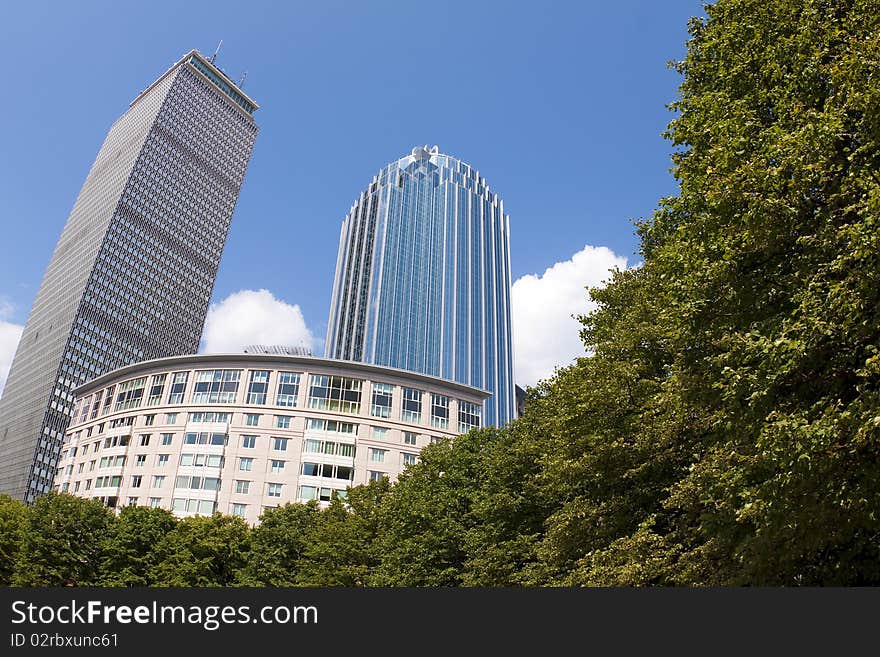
241	82
214	56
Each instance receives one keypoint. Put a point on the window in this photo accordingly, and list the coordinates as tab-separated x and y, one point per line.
170	418
277	466
130	394
167	438
242	486
178	387
312	445
308	493
288	388
156	386
76	487
155	502
251	419
100	428
376	476
341	472
245	464
211	417
92	465
282	421
249	442
140	460
84	407
88	484
412	406
201	460
158	481
80	468
407	459
335	393
409	438
469	416
381	402
117	461
380	433
161	460
216	386
258	384
148	420
239	510
439	411
311	469
145	439
197	483
203	507
273	490
377	455
279	444
136	481
132	501
204	438
331	425
108	400
345	449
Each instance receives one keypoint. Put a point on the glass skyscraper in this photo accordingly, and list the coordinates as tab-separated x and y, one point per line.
132	274
423	278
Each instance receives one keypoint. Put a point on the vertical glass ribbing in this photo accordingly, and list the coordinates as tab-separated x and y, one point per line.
422	278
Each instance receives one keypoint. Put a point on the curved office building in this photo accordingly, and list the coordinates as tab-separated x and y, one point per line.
238	433
423	278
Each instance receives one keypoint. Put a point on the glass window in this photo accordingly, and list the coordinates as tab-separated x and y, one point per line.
345	449
308	493
344	472
279	444
288	388
439	411
211	416
282	421
156	386
331	425
108	400
380	433
412	405
216	386
251	419
273	490
277	466
167	438
149	420
245	464
377	455
239	510
249	442
145	439
158	481
335	393
409	438
136	481
178	386
381	402
204	438
258	384
311	469
311	445
161	460
376	476
140	460
170	418
407	459
242	486
155	502
130	394
469	416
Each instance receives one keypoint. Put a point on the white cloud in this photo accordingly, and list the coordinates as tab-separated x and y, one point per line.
545	333
9	336
253	317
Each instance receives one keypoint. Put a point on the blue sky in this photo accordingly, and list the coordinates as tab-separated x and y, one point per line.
559	105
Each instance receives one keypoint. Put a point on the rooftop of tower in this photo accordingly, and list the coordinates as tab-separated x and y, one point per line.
215	76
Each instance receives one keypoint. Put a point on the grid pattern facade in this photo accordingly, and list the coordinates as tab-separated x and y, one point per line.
241	453
133	271
423	278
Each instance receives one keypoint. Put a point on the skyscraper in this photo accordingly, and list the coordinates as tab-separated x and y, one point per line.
423	278
133	271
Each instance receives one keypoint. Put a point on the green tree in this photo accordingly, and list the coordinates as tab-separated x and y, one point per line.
62	541
340	548
277	545
128	545
13	522
201	551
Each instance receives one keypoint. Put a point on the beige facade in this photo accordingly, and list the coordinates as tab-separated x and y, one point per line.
239	433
